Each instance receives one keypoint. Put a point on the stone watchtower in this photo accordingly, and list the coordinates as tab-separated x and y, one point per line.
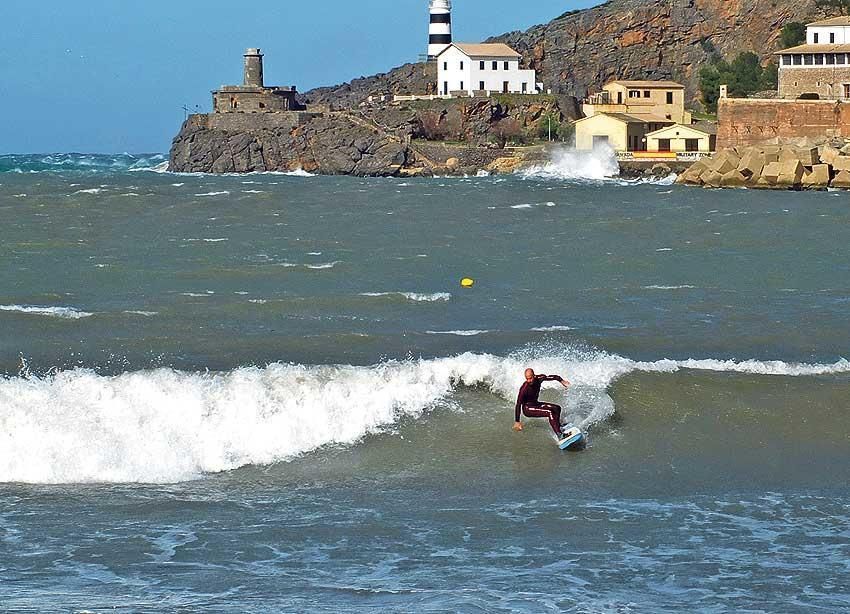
253	96
253	68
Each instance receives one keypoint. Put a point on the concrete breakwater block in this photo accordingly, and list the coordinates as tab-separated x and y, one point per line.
773	166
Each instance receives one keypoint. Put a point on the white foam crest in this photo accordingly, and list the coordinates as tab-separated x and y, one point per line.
68	313
548	329
221	193
167	426
570	164
458	333
417	297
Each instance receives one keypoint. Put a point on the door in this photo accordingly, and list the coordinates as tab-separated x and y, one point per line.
600	140
663	144
691	144
445	88
619	97
506	87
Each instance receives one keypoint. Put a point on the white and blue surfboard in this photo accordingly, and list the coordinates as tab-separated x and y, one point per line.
572	438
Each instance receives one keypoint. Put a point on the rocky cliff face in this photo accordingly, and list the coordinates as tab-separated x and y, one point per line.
375	140
580	51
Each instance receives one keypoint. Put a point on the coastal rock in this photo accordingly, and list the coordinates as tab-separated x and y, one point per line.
818	178
771	172
733	179
841	180
841	163
791	173
751	164
828	155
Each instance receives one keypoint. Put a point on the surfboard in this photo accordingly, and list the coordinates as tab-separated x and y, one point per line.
571	439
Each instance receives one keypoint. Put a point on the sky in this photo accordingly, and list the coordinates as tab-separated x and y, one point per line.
112	76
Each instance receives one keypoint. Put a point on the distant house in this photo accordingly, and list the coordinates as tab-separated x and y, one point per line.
467	69
619	131
658	98
700	137
820	68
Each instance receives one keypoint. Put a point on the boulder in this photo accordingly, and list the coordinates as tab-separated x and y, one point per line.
829	154
791	173
752	163
771	172
660	170
818	178
763	184
845	150
733	179
771	153
808	156
724	161
692	175
841	180
712	179
841	163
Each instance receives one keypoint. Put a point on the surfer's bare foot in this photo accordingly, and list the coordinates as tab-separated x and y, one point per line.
517	426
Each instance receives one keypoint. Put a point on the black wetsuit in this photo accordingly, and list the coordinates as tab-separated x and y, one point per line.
528	404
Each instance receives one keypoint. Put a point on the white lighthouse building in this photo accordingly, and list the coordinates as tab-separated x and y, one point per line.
440	27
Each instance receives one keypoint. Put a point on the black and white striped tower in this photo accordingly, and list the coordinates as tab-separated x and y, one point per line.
440	28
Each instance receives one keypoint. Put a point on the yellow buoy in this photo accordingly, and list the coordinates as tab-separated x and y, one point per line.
467	282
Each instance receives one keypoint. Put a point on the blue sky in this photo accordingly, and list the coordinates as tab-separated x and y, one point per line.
112	75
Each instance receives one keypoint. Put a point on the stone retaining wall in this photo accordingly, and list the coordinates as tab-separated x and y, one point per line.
748	122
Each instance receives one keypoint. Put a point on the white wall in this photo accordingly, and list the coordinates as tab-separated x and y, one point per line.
842	35
471	75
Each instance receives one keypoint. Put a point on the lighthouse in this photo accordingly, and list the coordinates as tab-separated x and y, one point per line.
440	27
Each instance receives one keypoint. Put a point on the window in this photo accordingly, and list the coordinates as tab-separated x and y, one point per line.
525	88
797	59
461	86
815	41
445	65
819	59
663	144
669	97
847	90
495	66
634	94
832	38
691	144
461	67
646	93
600	140
840	58
507	66
262	105
481	65
481	85
808	59
830	58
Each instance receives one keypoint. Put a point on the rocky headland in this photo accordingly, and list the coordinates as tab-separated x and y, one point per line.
439	137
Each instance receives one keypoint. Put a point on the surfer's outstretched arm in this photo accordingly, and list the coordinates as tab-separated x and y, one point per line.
556	378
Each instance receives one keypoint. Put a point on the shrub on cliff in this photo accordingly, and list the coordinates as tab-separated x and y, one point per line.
744	76
842	6
793	34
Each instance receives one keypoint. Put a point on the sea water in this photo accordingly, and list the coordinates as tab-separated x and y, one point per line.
269	392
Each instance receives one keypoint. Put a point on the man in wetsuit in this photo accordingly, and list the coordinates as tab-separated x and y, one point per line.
528	404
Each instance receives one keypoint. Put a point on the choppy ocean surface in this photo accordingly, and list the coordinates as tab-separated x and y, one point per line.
268	392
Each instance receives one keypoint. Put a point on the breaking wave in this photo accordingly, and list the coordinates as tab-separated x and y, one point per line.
167	426
88	163
570	164
416	297
68	313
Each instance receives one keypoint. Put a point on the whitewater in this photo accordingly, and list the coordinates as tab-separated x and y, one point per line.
168	426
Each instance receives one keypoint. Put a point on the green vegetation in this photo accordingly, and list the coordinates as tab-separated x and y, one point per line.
793	34
744	75
550	124
842	6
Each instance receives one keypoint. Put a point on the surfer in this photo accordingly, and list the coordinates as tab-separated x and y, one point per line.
528	404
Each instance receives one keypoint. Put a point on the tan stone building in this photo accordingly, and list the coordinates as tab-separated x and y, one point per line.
619	131
678	138
665	99
820	68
